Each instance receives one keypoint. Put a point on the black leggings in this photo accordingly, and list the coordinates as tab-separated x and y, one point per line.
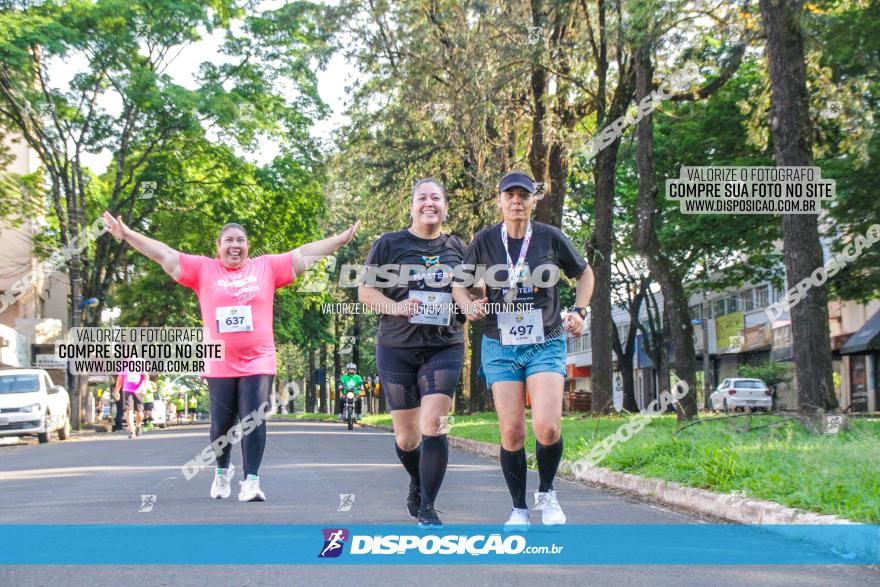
408	374
232	399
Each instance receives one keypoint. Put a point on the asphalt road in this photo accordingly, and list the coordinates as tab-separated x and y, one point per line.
100	479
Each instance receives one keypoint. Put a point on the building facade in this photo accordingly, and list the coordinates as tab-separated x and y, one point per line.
739	331
38	317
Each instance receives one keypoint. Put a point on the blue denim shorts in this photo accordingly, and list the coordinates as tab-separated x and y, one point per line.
517	362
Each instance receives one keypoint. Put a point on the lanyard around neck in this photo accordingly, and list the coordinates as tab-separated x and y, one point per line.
513	270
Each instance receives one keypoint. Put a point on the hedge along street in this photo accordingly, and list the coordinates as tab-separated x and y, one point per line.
821	274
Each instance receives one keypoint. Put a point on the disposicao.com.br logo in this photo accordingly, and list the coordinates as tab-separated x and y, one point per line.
430	544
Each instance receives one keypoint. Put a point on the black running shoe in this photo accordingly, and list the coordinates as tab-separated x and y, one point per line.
414	500
428	517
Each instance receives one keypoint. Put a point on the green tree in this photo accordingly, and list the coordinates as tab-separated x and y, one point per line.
790	127
264	87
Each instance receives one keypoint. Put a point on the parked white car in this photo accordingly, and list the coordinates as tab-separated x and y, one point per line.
739	392
31	404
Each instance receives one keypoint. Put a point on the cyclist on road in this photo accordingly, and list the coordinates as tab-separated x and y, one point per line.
351	381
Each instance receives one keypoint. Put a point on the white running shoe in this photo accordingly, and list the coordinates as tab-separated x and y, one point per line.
518	520
221	487
250	490
551	513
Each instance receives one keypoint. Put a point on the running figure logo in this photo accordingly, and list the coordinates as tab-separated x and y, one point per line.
147	503
346	500
833	423
334	538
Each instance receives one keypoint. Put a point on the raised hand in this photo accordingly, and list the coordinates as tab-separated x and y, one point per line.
345	237
115	226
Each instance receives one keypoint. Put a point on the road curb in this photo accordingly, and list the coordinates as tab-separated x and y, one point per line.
794	523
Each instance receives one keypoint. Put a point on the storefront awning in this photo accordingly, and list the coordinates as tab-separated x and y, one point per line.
866	339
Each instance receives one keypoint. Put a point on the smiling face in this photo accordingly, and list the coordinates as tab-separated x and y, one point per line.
428	205
516	204
232	247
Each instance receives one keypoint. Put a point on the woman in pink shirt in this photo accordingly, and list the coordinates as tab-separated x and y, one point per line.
235	294
131	383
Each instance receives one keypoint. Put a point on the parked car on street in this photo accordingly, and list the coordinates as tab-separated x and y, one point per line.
31	404
739	392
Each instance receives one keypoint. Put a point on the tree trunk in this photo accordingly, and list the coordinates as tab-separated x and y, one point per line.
629	385
604	173
310	385
626	351
549	209
337	361
79	383
463	397
323	381
802	252
675	299
479	393
356	347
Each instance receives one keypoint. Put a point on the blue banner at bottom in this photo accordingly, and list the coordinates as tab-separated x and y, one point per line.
618	544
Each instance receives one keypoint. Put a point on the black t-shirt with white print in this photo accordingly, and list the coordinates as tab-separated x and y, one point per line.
435	258
549	247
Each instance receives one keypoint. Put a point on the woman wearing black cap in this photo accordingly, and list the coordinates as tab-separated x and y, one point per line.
523	348
420	345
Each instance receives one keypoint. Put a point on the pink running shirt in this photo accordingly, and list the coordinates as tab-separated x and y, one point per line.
132	381
252	285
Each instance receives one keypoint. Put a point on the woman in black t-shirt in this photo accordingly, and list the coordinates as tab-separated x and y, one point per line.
420	345
523	345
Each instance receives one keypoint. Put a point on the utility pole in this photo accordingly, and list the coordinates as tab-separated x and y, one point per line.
707	386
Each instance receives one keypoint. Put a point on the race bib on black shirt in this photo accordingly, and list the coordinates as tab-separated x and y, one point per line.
400	263
550	254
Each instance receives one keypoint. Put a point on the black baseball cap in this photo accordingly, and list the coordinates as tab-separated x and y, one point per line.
516	179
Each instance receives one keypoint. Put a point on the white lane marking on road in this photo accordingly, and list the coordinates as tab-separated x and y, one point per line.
368	465
79	471
74	471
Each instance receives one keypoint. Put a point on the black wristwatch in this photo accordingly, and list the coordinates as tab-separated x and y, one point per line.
582	312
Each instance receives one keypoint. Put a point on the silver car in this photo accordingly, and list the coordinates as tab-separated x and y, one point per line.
739	392
31	404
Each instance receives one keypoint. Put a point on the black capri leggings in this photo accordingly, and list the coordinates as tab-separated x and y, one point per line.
232	399
407	374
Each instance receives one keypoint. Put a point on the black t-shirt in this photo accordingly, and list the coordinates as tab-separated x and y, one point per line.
435	258
549	247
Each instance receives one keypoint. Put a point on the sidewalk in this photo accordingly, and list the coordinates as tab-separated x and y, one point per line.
738	509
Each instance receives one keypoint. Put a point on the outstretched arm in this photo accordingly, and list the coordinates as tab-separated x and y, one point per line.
310	253
150	248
